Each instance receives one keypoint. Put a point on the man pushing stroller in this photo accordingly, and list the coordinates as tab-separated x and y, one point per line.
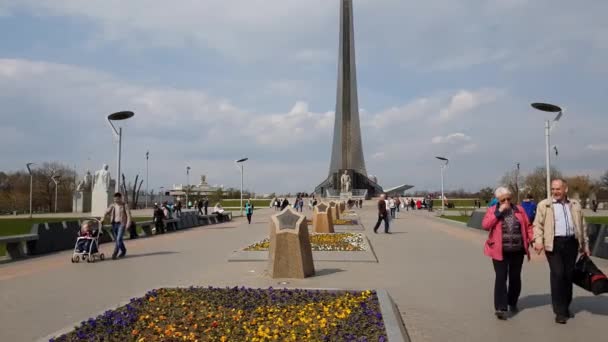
120	216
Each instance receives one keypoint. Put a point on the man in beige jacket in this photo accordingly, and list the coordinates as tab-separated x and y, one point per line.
120	217
560	230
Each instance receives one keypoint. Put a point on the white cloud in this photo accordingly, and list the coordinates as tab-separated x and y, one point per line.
379	156
58	113
598	147
466	101
451	138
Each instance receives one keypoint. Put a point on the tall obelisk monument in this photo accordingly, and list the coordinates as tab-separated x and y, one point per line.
347	149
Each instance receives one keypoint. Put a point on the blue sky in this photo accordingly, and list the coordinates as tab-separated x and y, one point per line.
211	81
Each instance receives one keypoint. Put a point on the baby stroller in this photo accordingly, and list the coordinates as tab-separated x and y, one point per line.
87	243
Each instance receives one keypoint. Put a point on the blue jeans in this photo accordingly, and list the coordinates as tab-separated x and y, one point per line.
118	229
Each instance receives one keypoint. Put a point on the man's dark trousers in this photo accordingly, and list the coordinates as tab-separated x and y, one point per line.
561	262
380	218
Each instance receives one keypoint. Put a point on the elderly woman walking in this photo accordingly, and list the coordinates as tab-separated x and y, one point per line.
507	244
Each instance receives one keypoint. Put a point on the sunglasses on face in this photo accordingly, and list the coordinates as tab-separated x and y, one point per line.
505	199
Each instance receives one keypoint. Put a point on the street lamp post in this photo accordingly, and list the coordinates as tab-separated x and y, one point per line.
118	135
147	191
241	162
443	166
29	169
55	179
550	108
161	195
517	182
187	184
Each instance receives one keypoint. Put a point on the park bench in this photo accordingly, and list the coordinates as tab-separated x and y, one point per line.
16	245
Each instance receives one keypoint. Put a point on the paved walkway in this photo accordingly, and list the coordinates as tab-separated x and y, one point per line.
434	269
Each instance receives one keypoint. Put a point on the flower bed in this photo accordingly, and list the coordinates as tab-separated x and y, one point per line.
342	222
339	222
332	242
238	314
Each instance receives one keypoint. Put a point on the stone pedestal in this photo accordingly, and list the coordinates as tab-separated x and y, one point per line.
335	211
290	254
322	220
344	196
100	201
81	202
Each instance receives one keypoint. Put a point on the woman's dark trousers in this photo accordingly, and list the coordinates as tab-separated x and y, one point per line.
507	271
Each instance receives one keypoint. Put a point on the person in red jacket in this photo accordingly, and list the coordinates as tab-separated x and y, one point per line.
507	244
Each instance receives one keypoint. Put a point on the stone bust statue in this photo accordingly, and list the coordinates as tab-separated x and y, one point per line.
345	181
102	178
86	183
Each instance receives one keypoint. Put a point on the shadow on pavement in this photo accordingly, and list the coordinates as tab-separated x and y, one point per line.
327	271
219	228
131	256
597	305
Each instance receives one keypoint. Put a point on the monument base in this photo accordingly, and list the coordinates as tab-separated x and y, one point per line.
81	202
360	182
100	201
346	196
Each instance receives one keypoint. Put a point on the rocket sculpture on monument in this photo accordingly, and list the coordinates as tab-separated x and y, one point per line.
347	166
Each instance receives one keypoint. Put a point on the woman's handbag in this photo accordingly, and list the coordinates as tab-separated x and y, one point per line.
589	277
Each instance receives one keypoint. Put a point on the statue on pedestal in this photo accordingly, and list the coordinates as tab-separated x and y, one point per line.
82	196
346	182
102	178
102	192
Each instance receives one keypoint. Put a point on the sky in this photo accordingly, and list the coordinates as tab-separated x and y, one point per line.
211	81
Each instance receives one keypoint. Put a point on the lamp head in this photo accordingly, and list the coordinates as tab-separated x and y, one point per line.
242	160
446	160
121	115
29	168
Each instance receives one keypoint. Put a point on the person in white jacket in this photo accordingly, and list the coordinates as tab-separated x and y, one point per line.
392	205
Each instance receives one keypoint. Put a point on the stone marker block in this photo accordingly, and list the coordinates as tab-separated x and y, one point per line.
342	206
322	220
335	212
290	254
475	220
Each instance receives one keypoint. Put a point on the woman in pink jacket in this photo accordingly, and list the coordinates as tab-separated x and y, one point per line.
507	244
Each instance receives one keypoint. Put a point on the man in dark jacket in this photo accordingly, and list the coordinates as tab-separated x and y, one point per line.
382	214
159	217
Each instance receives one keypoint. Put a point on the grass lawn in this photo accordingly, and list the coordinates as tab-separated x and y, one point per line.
597	219
464	219
459	203
262	203
23	226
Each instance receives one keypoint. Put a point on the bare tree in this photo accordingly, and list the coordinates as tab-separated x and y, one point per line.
536	183
134	188
581	187
604	180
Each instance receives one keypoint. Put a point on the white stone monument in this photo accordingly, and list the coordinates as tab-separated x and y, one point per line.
82	196
102	192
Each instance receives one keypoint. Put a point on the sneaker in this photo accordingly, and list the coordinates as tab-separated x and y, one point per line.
559	319
122	255
501	315
513	309
114	256
570	314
